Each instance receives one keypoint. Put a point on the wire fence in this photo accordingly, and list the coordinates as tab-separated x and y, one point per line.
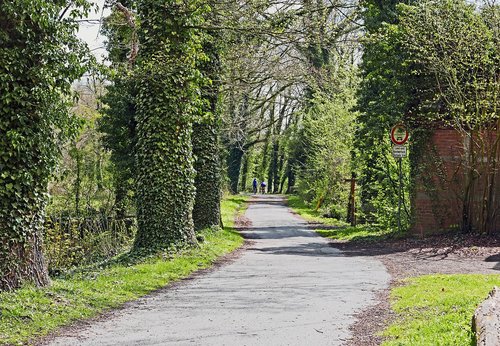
72	241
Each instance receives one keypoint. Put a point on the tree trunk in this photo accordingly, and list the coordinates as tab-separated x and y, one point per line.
167	104
23	187
278	187
233	166
78	180
468	195
291	178
273	168
206	211
22	260
244	172
121	191
165	181
264	165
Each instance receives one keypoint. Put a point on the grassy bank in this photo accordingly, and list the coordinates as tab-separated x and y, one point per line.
338	230
437	309
360	233
30	312
309	214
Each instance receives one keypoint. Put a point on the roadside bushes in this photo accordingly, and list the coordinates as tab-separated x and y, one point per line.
78	241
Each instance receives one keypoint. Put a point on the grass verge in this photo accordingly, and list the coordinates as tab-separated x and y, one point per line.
361	233
339	230
437	309
309	214
31	312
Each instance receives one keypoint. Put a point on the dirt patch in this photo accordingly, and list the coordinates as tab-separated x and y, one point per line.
403	258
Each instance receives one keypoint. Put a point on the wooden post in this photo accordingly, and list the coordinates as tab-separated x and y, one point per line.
351	206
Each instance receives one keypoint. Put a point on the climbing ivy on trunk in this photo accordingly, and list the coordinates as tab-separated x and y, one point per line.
167	104
206	211
39	59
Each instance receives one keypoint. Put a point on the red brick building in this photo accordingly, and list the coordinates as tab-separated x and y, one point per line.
455	167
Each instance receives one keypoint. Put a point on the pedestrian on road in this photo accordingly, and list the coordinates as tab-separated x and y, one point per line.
254	185
263	187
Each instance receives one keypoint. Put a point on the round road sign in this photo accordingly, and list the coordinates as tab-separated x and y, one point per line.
399	134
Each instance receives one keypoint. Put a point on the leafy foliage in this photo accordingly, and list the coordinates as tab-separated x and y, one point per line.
118	126
40	57
383	100
167	104
456	51
328	129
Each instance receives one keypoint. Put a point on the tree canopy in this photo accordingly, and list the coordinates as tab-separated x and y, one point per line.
198	98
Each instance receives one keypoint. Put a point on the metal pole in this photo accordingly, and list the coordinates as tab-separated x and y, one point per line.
400	202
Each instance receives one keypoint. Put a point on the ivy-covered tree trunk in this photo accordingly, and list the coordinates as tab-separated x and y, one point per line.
121	195
233	166
206	211
39	57
244	172
118	125
167	104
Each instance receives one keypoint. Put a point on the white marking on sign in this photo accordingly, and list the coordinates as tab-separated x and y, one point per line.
399	151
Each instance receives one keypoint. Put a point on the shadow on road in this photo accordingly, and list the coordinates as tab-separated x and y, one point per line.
277	232
433	248
308	249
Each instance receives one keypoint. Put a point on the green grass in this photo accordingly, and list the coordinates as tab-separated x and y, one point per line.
341	230
30	312
230	204
436	310
361	233
309	214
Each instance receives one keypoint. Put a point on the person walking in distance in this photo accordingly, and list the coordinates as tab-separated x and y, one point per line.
254	185
263	187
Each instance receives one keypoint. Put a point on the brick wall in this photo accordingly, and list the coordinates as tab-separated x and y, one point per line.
440	186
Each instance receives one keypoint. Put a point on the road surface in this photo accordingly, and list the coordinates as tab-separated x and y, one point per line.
289	287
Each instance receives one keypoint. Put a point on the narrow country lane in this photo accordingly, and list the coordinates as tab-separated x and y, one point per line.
289	287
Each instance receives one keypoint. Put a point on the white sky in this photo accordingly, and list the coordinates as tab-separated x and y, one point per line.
89	32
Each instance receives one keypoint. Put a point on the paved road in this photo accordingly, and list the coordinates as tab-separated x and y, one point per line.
289	287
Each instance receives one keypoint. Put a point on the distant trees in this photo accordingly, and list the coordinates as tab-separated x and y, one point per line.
40	57
294	50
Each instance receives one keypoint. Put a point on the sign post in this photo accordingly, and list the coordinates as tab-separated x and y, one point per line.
399	136
351	207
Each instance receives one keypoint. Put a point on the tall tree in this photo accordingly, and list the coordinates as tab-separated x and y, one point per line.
167	104
40	57
206	211
118	125
381	75
118	122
